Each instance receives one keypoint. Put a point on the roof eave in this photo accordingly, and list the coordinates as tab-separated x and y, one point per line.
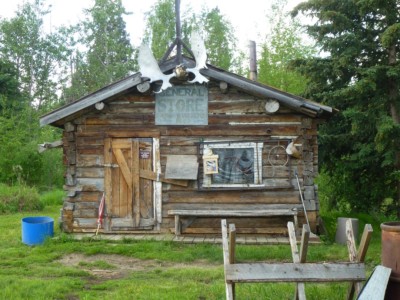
91	99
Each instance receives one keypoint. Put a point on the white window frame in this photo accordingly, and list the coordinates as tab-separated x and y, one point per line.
258	150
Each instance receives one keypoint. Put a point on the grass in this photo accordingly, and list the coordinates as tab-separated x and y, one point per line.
168	270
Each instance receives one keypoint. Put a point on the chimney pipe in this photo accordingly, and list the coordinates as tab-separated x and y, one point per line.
253	60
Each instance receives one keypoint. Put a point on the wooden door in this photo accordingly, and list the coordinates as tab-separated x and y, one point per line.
129	198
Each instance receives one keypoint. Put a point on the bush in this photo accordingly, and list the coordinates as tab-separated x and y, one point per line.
52	198
19	198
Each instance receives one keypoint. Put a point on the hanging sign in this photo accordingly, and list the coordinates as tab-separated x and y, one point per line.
181	167
182	105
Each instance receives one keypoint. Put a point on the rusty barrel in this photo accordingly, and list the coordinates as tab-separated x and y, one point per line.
391	257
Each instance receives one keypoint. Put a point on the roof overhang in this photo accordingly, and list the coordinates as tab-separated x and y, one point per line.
59	116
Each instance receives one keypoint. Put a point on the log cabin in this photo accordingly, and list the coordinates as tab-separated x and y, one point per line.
180	159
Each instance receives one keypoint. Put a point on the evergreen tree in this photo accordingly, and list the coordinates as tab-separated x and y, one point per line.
360	76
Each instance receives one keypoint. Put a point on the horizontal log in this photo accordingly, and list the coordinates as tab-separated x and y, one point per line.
121	119
233	213
90	172
92	141
91	184
232	207
81	223
134	98
86	205
89	160
277	183
232	197
131	107
291	272
88	197
204	131
94	150
215	223
85	213
281	231
181	150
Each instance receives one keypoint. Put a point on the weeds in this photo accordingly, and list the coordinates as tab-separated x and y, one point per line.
19	198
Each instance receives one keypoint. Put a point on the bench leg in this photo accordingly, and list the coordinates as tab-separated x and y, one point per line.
296	223
177	225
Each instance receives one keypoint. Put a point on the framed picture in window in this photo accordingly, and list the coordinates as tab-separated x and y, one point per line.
235	165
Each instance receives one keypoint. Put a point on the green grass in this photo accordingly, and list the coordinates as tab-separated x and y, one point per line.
52	197
19	198
168	270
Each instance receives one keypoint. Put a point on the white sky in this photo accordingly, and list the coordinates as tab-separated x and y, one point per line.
247	17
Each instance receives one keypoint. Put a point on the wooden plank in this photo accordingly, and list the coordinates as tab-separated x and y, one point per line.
230	197
182	167
90	172
293	242
177	225
291	272
240	222
305	236
157	185
116	181
237	213
125	170
146	185
351	243
136	181
225	251
364	243
300	288
362	251
252	230
375	288
232	243
153	176
232	251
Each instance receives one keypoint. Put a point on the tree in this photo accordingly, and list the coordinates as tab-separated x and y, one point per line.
108	54
37	56
282	45
9	89
219	39
160	27
212	25
360	76
19	135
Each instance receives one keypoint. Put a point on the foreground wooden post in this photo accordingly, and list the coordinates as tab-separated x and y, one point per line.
299	258
229	286
357	256
298	272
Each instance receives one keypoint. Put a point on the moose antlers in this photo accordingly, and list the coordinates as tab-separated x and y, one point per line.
149	66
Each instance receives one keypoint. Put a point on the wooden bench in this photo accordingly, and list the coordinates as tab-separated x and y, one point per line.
297	272
264	211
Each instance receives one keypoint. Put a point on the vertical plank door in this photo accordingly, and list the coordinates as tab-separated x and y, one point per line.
129	198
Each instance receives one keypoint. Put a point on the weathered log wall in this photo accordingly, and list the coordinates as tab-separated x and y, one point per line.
233	116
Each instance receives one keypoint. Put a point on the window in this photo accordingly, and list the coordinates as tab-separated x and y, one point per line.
232	164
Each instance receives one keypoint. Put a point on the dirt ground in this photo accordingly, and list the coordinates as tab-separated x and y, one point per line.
118	266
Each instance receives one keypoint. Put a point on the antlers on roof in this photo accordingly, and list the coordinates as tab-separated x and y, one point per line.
149	66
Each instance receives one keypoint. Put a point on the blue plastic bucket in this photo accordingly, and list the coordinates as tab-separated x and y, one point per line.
36	229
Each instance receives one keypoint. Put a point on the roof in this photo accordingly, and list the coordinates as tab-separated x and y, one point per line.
63	114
